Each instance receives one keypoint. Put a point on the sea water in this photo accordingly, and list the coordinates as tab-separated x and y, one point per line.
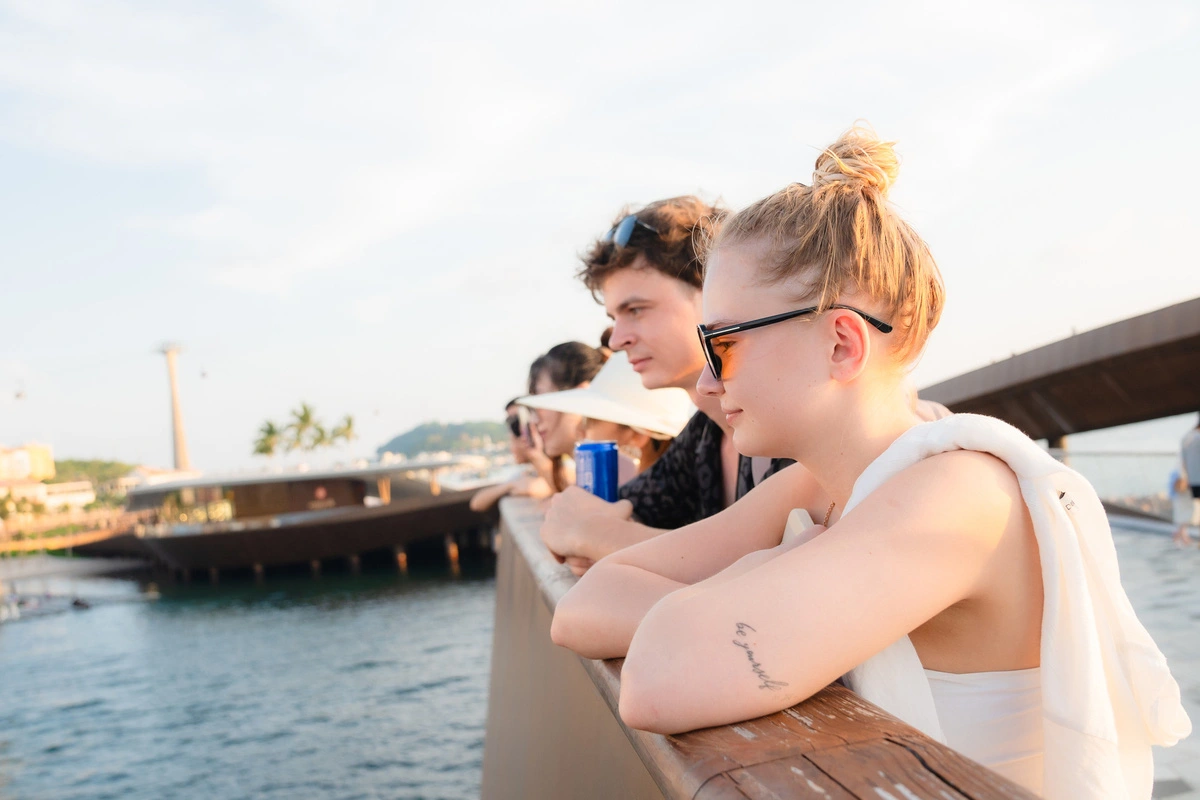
368	686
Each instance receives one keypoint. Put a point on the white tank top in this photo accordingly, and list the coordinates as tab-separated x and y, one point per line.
994	718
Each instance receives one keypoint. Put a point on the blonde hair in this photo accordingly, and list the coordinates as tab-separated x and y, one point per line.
840	235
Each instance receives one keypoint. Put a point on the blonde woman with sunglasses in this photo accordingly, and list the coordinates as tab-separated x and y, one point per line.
959	577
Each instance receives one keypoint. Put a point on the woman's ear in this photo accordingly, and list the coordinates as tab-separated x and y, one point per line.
851	345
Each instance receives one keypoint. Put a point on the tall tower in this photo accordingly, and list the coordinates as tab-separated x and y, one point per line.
181	453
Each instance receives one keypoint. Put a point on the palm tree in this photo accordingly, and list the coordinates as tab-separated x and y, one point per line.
319	437
270	438
345	430
303	421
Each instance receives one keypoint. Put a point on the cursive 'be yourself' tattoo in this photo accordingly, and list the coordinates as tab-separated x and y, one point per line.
765	681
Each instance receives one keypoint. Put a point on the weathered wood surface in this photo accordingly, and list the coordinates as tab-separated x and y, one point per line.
833	745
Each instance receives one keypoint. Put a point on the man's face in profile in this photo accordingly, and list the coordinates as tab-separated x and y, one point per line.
654	321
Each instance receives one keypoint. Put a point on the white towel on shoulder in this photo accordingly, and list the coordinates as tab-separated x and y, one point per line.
1107	694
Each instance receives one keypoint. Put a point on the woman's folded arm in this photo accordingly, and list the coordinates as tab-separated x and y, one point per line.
598	616
729	650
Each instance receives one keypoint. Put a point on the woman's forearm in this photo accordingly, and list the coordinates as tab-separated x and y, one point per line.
487	497
599	615
603	536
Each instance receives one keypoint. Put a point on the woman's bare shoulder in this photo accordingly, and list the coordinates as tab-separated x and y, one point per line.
975	463
965	492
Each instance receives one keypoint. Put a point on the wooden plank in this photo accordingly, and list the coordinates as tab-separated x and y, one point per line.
721	788
788	778
883	770
961	772
838	712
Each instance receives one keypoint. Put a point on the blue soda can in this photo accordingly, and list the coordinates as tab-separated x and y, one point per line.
596	469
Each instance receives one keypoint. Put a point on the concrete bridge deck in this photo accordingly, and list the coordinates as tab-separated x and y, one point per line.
1138	369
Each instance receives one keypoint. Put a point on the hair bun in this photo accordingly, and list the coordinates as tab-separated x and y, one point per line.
858	157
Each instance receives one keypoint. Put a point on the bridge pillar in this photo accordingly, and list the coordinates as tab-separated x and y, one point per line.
1059	443
214	576
258	573
452	553
401	560
355	564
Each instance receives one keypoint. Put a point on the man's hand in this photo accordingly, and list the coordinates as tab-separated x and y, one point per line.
569	516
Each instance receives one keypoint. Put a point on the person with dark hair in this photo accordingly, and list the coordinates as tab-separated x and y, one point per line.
570	365
605	339
564	366
544	439
648	270
537	467
616	407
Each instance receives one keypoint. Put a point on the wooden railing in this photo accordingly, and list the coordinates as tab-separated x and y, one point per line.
553	729
114	526
32	524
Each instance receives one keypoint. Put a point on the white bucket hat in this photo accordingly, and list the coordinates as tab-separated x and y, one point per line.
616	395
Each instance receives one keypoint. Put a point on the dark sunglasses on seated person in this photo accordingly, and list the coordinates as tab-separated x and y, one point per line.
620	233
707	337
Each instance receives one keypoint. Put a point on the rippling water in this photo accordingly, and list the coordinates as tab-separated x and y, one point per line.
343	687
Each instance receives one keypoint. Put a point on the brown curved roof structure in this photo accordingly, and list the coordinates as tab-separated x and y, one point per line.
1138	369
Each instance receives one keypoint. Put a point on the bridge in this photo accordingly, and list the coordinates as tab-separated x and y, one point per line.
1138	369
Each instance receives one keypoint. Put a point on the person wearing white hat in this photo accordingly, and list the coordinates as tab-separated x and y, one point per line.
552	436
615	406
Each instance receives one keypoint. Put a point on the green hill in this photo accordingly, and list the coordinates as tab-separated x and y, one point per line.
455	437
97	472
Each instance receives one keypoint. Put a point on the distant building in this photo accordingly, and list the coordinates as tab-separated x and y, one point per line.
31	461
41	461
119	487
33	491
14	464
69	495
144	476
152	475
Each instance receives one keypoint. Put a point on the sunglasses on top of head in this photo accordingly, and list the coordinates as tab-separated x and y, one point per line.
707	336
620	233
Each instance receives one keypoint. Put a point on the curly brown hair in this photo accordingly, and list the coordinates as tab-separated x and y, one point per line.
673	238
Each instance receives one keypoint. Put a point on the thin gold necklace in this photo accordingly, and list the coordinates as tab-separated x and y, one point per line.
829	511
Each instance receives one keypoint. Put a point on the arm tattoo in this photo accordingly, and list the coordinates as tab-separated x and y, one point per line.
765	681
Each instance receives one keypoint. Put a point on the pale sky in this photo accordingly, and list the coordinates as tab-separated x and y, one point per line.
377	207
